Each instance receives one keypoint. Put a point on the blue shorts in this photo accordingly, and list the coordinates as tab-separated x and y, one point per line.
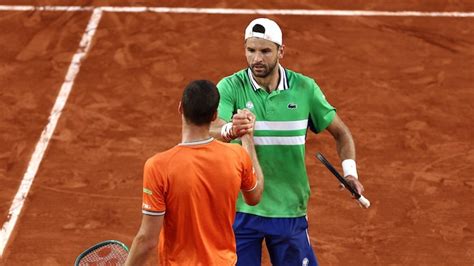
287	240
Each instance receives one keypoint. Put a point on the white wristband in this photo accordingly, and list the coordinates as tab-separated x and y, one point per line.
349	168
226	132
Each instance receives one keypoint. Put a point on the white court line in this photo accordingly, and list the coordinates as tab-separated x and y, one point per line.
48	131
239	11
46	8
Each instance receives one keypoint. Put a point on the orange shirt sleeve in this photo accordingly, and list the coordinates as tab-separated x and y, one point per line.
154	190
249	179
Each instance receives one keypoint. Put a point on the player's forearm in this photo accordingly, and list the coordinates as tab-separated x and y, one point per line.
249	146
215	129
346	151
345	145
343	137
140	251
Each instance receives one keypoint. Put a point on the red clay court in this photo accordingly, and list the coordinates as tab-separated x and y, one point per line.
403	82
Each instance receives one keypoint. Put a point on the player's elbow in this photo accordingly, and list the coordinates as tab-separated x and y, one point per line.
252	201
253	197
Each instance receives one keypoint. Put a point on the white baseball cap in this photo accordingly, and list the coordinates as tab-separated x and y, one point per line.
264	28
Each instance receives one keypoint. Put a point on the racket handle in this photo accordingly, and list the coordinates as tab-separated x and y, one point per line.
364	201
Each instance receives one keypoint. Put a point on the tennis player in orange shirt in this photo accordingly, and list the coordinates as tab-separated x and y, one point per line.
190	190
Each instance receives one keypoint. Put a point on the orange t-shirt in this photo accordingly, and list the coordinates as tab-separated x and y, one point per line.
195	185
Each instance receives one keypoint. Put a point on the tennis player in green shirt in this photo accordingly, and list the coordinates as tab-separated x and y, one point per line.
285	104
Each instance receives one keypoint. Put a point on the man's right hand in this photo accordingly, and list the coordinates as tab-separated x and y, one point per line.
243	123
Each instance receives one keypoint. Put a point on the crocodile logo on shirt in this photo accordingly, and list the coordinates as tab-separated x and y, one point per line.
292	106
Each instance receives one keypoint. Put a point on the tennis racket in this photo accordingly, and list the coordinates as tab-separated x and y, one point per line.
107	253
365	202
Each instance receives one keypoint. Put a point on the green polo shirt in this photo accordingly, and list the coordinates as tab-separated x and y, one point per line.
280	135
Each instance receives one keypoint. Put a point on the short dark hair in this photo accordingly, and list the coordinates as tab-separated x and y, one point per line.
199	102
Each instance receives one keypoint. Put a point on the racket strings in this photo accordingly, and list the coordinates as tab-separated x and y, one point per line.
108	255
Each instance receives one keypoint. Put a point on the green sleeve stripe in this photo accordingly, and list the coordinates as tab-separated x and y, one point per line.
147	191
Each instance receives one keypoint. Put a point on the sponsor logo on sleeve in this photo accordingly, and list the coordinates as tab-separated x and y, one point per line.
147	191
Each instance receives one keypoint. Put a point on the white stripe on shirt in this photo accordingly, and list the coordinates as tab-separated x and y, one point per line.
298	140
281	125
